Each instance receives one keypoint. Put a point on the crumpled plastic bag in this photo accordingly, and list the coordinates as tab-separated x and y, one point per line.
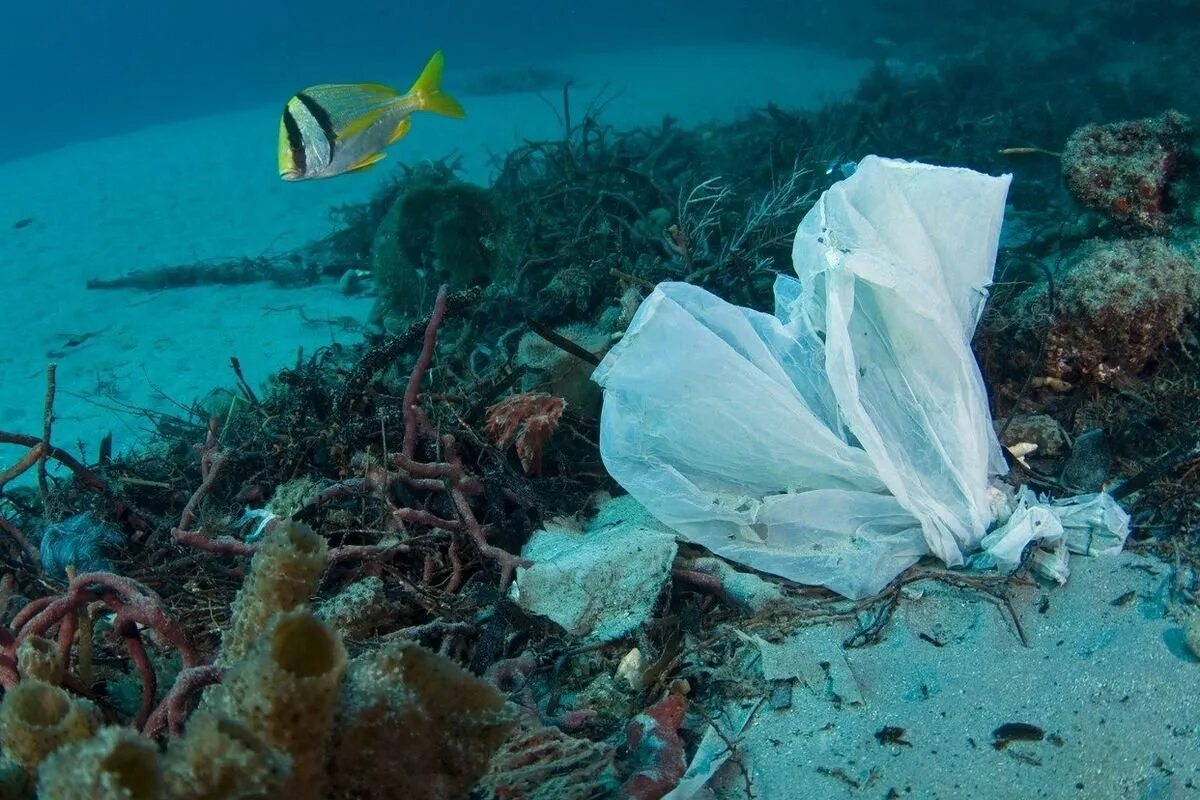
839	440
1090	524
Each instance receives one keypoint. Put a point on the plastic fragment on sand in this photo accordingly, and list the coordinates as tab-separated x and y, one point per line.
812	659
713	752
1086	525
601	583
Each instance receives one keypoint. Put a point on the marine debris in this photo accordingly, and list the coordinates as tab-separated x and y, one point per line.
350	539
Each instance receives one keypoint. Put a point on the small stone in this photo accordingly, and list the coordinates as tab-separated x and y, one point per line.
351	282
632	669
1037	429
1089	464
781	695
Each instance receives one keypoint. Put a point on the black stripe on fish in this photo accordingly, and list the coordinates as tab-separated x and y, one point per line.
295	141
323	119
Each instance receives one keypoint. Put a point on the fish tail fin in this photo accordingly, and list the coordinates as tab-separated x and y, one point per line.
428	93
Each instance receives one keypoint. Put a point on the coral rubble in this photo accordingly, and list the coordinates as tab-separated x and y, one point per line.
1125	169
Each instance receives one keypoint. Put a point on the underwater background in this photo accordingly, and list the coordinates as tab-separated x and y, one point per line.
287	461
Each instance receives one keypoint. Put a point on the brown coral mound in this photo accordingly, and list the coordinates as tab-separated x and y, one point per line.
1119	304
1125	169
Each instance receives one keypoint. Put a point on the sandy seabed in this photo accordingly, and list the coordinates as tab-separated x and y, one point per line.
208	188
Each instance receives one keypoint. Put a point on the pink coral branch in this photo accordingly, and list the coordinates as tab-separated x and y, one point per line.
141	661
211	462
29	611
19	537
52	614
507	561
131	600
172	711
8	672
419	370
220	545
362	552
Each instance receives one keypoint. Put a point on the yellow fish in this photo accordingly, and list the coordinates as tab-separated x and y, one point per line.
335	128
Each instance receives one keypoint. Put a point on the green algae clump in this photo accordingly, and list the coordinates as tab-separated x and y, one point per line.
438	230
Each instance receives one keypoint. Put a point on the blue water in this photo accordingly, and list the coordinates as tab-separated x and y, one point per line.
77	69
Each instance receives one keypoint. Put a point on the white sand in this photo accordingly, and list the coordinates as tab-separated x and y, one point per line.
208	188
1106	676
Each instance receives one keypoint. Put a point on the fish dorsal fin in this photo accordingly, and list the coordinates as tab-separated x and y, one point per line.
352	106
366	162
401	130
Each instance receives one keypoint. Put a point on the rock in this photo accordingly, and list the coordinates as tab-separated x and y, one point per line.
746	588
351	282
548	368
1089	463
1191	633
1125	169
1039	429
1118	305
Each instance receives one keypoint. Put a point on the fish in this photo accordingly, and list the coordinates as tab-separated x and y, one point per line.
336	128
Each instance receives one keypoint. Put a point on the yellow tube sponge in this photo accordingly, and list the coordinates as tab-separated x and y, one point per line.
40	659
286	692
219	758
414	724
115	764
36	719
283	575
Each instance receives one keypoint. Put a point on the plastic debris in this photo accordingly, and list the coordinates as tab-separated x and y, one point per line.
1086	525
82	541
655	750
1004	547
600	583
1094	524
844	437
713	752
807	657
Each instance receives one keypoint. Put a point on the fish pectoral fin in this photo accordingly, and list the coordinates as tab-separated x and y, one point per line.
401	130
361	123
366	162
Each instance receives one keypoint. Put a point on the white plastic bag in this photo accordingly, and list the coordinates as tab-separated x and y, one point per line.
1090	524
847	435
894	265
838	441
